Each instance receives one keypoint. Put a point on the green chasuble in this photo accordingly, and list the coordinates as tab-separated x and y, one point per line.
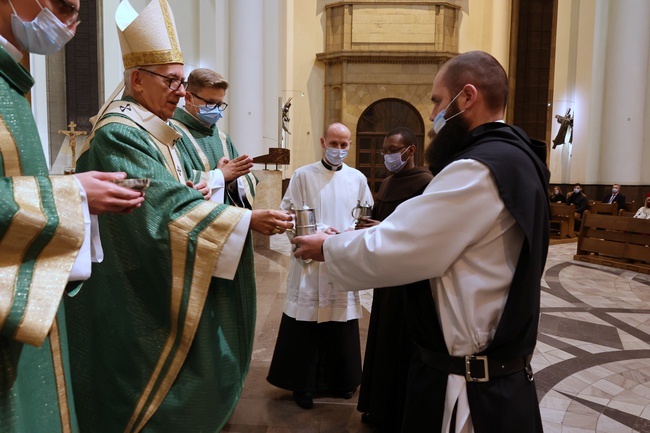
204	146
41	232
155	347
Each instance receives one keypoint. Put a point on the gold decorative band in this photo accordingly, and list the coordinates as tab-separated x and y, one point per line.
145	58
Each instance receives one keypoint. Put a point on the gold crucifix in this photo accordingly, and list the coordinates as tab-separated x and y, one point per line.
72	134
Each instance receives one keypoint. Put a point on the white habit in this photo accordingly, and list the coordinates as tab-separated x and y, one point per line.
312	293
459	235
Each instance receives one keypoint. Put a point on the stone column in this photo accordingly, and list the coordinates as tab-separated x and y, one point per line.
246	76
625	91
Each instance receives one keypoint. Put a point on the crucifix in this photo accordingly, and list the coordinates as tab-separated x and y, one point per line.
72	134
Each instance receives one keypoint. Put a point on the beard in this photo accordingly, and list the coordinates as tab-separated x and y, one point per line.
445	145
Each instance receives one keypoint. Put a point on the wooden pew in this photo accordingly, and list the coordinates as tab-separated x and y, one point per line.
630	206
562	220
603	208
622	243
625	213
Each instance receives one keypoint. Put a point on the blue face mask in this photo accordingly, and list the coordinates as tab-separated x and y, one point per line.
393	161
439	121
209	116
335	156
46	34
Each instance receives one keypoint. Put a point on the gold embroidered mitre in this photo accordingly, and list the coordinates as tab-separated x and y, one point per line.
149	38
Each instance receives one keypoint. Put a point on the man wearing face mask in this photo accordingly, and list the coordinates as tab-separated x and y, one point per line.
45	230
579	200
615	197
208	148
475	318
152	344
389	346
319	331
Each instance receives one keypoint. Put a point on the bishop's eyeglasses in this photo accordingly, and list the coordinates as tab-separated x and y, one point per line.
173	82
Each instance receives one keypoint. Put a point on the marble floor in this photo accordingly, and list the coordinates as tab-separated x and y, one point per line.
592	361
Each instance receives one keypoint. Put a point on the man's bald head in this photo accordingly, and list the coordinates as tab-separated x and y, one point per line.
482	71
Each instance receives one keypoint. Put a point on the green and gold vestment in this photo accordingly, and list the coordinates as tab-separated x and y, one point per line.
204	146
155	347
41	232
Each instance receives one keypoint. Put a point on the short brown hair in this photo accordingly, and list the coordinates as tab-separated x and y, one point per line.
203	77
481	70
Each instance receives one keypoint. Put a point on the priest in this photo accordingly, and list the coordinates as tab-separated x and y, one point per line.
45	231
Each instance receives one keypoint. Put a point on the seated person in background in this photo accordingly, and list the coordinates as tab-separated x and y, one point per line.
557	196
615	197
578	199
644	211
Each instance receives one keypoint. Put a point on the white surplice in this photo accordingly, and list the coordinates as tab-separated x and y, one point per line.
459	235
312	293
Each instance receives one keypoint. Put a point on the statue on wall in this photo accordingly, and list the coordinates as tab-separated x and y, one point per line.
285	115
565	122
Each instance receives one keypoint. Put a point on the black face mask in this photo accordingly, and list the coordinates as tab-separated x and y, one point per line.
447	143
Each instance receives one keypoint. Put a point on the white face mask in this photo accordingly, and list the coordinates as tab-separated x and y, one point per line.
335	156
439	121
393	161
46	34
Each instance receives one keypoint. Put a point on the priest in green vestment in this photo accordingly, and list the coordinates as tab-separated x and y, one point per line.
44	236
207	147
209	150
154	346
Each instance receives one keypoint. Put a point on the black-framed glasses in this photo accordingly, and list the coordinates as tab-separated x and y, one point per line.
391	151
211	105
172	82
69	10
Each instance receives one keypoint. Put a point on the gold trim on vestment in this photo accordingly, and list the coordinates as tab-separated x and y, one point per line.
202	156
169	161
208	248
59	378
54	262
25	226
9	151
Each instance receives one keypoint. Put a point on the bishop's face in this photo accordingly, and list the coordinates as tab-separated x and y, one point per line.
158	88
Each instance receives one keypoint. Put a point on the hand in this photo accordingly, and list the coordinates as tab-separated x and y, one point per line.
331	231
104	196
365	222
201	187
232	169
270	222
310	247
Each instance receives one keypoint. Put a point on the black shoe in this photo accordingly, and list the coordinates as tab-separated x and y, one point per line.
303	399
366	418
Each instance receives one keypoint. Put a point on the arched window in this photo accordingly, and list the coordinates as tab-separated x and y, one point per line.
375	122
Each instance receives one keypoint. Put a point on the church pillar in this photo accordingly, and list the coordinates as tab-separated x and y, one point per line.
246	76
625	90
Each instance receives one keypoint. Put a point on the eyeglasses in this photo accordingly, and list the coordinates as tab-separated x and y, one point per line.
391	151
173	82
68	9
210	105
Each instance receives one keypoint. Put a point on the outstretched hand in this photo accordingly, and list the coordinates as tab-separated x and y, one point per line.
270	222
310	247
104	196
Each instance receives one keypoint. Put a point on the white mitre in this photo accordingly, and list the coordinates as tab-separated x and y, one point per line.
149	38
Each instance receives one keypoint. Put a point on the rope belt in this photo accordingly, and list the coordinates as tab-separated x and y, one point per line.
475	368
